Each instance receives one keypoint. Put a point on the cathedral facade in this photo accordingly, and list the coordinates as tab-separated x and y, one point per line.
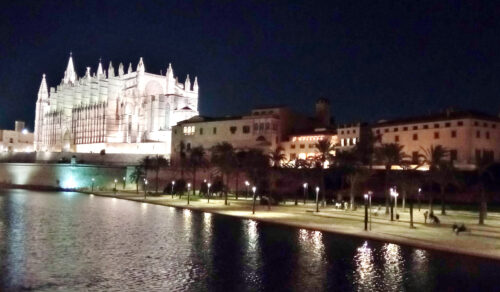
118	112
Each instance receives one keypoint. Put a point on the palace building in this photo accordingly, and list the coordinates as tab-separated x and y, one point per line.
118	112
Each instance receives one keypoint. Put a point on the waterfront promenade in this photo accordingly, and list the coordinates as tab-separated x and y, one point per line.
482	241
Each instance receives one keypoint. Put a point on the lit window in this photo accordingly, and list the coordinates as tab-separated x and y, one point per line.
189	130
354	141
342	142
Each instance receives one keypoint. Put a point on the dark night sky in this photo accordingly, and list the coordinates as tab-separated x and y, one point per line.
372	60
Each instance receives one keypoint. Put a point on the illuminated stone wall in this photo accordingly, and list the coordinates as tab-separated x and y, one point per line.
63	175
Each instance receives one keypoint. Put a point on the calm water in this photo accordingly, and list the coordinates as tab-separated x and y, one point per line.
74	242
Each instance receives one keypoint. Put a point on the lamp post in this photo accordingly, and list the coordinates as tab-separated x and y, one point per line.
317	202
173	184
208	194
370	193
254	188
419	193
115	185
124	182
93	184
189	187
145	188
305	192
247	184
366	212
394	196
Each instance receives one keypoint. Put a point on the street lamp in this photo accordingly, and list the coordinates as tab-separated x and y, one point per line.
254	188
394	196
247	184
208	194
189	186
124	182
93	184
305	192
317	194
366	212
173	184
115	185
370	194
419	193
145	188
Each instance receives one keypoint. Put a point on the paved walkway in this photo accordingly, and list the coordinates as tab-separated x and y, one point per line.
483	241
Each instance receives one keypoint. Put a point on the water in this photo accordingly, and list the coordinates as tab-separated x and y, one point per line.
74	242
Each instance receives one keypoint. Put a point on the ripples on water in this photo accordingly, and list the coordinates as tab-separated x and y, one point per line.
73	242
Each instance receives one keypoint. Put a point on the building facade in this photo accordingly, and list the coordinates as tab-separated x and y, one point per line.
17	140
467	135
118	112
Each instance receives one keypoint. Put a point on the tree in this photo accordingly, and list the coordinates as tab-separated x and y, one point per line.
324	157
223	158
389	155
240	161
136	175
435	157
256	166
146	163
158	163
276	157
350	166
195	161
486	175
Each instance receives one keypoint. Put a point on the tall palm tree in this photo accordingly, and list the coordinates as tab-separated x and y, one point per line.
223	157
158	163
240	158
324	157
195	161
276	158
136	175
389	155
483	175
439	171
147	164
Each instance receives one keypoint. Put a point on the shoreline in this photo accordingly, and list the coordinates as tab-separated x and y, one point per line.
368	235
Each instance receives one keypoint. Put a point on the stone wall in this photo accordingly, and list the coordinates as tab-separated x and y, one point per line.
78	176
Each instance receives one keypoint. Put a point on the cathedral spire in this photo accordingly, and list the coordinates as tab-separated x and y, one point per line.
170	71
111	70
120	70
100	71
70	74
87	73
129	68
43	92
187	84
140	66
195	84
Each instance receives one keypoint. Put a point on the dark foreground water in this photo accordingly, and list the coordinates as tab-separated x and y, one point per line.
74	242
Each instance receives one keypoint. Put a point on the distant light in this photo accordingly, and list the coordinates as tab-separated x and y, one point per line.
24	131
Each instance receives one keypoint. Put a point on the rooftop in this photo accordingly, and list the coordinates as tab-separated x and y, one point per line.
449	114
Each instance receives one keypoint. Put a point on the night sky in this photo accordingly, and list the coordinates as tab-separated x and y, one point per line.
372	60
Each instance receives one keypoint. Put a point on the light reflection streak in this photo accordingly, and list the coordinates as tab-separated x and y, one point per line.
365	268
207	229
420	260
311	260
393	267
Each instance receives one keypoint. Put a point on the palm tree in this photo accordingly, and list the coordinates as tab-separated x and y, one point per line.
136	175
324	157
276	158
158	162
484	175
195	161
256	165
350	166
389	154
146	164
223	157
439	170
240	160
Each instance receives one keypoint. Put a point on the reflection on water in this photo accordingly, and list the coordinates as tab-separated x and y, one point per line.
393	267
365	268
68	242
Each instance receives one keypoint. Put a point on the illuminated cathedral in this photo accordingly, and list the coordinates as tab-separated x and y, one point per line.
118	112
